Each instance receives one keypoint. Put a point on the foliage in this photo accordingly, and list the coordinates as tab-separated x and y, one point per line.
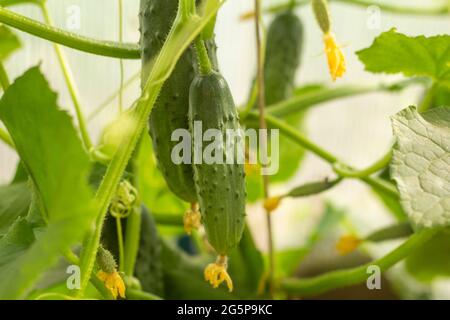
59	199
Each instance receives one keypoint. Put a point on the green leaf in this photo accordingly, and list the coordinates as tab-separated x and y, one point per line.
431	260
7	3
8	42
246	267
287	261
291	153
183	277
421	165
312	188
393	52
53	155
14	202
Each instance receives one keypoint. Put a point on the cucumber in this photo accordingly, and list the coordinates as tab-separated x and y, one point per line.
220	187
283	50
171	108
283	55
148	268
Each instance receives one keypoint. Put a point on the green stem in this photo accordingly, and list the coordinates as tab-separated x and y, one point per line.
427	100
7	3
70	83
96	282
290	132
121	66
113	96
69	39
364	3
396	231
179	38
140	295
120	243
202	56
132	239
304	101
375	167
348	277
261	103
4	79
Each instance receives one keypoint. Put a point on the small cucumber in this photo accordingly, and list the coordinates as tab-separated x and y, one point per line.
171	108
220	187
283	51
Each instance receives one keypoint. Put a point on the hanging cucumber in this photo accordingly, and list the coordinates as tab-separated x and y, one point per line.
282	59
148	267
220	184
171	108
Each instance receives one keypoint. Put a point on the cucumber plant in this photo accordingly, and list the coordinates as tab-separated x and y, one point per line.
108	210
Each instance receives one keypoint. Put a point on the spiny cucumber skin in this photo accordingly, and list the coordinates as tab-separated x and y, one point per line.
283	51
171	108
220	187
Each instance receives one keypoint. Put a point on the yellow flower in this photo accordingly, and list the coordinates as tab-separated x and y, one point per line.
192	219
216	273
271	204
347	244
252	168
113	282
336	59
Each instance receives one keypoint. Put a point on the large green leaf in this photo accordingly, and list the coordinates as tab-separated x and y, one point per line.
14	202
421	165
8	42
52	153
393	52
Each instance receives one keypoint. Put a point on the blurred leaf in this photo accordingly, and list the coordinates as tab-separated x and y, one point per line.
152	186
431	260
393	205
309	88
287	261
393	52
14	202
8	42
254	185
21	174
441	97
183	278
6	3
291	153
148	267
50	149
312	188
246	266
421	163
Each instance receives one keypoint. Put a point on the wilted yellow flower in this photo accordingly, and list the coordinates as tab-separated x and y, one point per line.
335	57
271	204
192	219
347	244
113	282
216	273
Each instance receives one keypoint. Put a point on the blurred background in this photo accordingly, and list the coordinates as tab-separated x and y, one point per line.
355	129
